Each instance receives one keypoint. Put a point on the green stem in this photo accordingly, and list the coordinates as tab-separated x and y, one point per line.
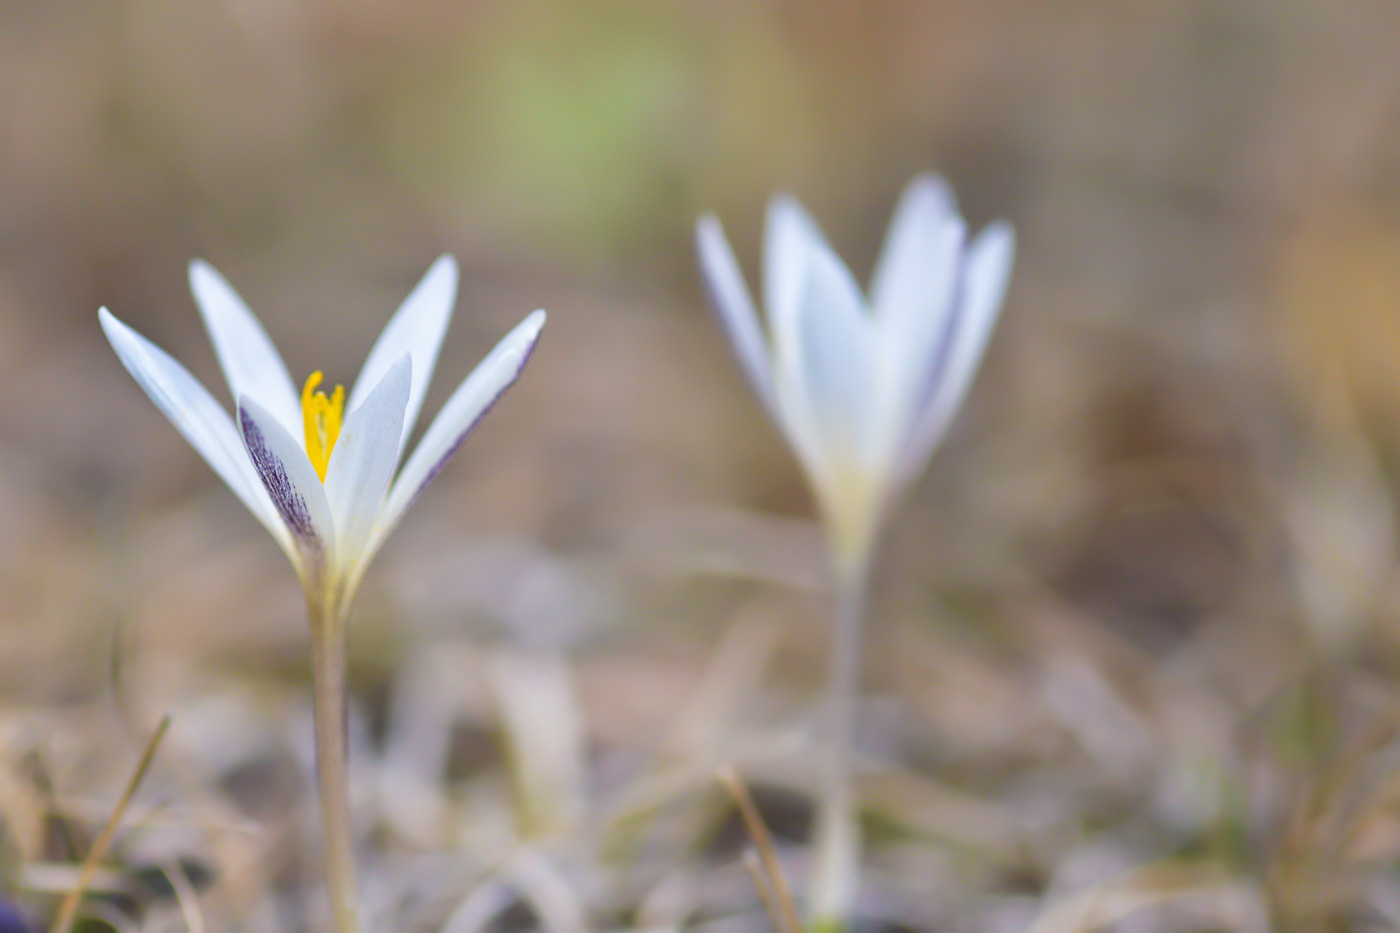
328	676
836	873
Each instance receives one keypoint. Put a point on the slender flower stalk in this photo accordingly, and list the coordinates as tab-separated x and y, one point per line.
322	473
836	844
863	389
329	710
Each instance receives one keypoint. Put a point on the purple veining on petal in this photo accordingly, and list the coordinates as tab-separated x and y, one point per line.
442	461
289	502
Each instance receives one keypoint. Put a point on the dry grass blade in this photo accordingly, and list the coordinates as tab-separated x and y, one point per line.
185	894
68	910
782	905
753	864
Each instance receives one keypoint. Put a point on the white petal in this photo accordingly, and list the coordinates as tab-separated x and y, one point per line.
195	413
363	461
790	234
837	357
913	294
472	399
986	272
915	254
249	359
291	482
918	273
731	299
417	329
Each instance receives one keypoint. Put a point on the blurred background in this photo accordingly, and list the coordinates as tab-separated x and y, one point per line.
1134	648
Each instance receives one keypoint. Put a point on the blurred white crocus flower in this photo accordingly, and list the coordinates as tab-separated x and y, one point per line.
863	388
321	472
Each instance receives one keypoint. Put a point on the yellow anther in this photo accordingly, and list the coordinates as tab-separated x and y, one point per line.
321	418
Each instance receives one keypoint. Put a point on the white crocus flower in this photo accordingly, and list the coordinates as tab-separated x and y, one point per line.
863	388
321	472
320	480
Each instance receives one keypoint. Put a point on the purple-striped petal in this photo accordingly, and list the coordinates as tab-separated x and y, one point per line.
292	484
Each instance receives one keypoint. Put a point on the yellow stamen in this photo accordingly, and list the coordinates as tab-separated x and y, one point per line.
321	418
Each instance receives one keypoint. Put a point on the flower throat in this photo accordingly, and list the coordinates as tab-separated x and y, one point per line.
321	417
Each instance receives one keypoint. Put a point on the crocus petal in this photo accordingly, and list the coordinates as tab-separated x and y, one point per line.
195	413
732	301
986	271
914	260
249	359
837	340
913	295
291	482
789	235
918	274
417	329
363	461
472	399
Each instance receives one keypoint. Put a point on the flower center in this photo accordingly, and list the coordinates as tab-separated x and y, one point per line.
321	417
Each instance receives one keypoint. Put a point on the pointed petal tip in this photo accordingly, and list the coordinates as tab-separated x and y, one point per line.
930	193
401	370
196	415
203	277
931	183
210	288
417	327
710	238
997	237
114	327
441	279
115	331
791	228
520	343
526	334
1001	229
784	204
444	265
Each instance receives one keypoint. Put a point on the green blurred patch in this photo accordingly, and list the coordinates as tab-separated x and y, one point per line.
557	120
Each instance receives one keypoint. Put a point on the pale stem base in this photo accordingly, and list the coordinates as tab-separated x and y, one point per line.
328	675
835	877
